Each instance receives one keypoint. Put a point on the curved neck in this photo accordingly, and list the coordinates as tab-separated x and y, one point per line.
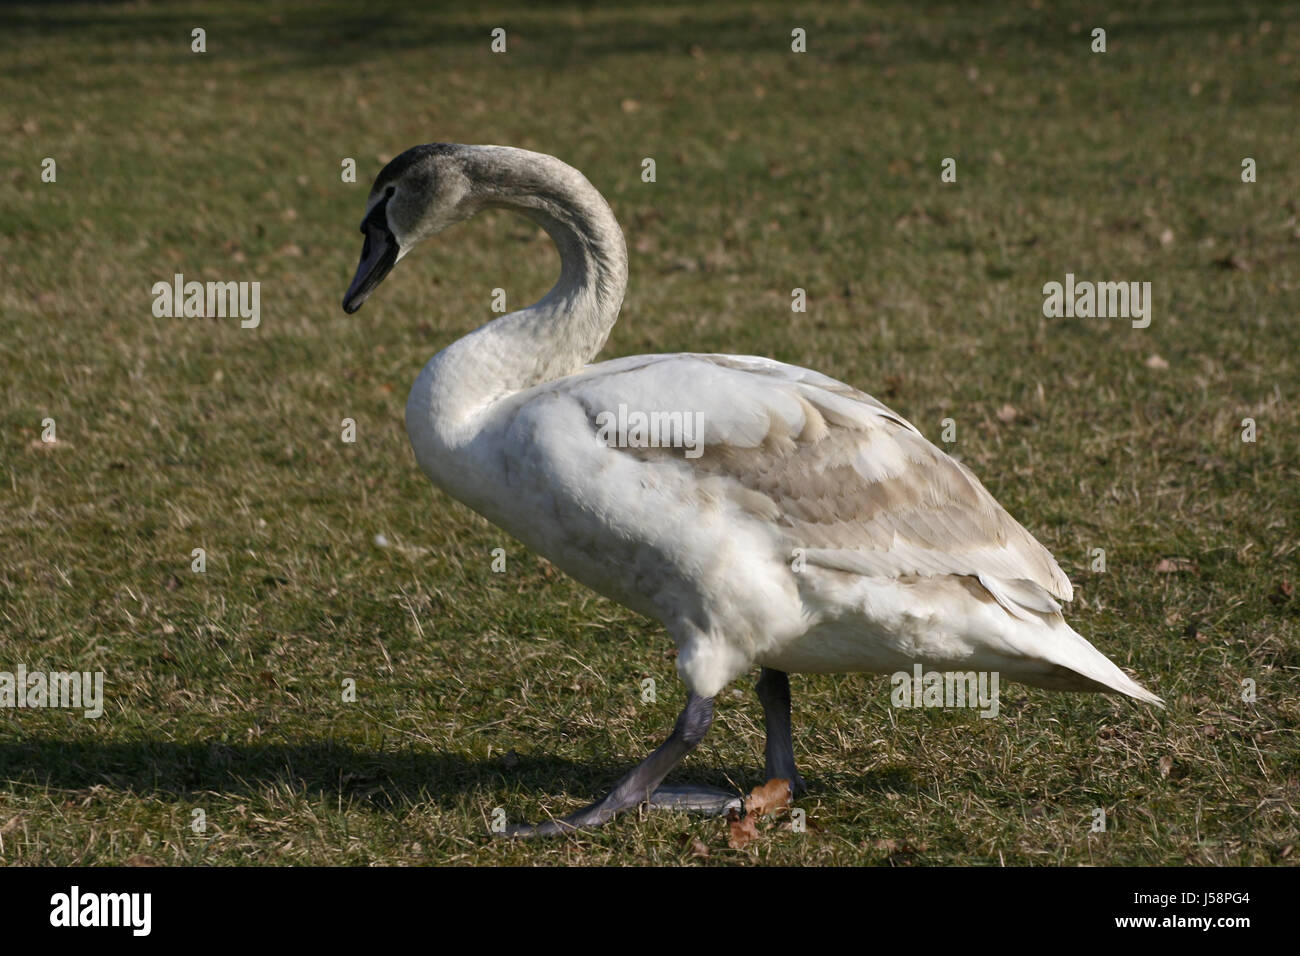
563	331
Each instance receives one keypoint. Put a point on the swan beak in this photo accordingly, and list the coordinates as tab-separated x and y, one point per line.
377	257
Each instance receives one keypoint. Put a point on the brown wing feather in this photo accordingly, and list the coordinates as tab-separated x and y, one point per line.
863	491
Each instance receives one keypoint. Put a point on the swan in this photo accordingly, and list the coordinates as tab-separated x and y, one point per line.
811	529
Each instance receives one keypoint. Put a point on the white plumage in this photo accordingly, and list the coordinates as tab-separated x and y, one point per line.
906	558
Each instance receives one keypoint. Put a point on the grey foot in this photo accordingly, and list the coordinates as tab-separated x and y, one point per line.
641	785
707	801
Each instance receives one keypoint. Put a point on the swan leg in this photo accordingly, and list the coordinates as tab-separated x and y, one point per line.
773	690
643	780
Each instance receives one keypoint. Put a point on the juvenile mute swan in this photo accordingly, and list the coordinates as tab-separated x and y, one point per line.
807	527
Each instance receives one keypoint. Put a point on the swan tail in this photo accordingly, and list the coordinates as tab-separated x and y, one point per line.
1074	664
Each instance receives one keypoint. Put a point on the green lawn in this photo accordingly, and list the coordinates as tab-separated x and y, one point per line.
775	170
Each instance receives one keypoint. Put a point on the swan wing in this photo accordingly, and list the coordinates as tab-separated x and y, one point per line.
849	481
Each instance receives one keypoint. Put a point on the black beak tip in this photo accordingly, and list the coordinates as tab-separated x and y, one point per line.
378	255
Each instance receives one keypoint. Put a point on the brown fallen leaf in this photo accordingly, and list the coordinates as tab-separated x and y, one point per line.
769	799
1007	414
1164	765
141	860
1156	362
742	830
11	824
1174	565
698	849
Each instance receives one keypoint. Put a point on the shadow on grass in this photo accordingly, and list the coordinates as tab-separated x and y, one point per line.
386	780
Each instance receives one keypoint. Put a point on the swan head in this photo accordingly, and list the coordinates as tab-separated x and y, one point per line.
417	195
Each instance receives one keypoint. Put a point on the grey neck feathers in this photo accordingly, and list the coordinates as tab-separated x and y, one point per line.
567	328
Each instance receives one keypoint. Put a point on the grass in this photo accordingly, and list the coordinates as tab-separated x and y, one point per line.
521	690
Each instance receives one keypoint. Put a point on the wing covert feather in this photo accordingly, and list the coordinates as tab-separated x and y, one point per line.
850	481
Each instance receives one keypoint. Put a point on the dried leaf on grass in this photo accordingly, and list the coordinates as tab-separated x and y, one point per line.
770	799
741	831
